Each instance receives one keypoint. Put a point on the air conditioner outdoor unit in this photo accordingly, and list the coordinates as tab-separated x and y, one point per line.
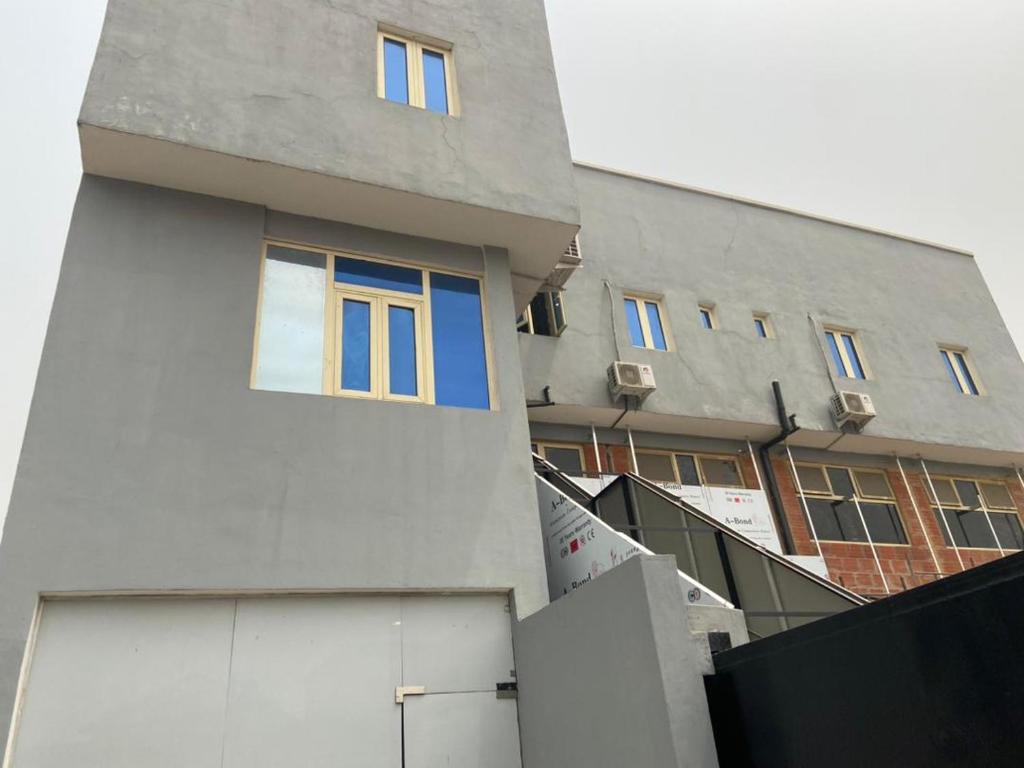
852	406
633	379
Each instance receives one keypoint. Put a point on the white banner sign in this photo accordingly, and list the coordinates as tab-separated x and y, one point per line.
746	512
579	547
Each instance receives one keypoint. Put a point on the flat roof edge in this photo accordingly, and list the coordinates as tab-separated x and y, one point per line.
768	206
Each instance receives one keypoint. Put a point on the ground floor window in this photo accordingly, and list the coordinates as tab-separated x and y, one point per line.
975	513
356	326
841	501
689	469
567	458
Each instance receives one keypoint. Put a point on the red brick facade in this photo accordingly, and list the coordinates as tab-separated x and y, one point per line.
852	565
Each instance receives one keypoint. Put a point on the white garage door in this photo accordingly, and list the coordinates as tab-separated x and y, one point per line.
283	681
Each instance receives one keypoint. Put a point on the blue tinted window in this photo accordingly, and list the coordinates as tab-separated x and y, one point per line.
762	332
966	373
949	370
434	83
355	345
833	348
654	321
373	274
636	332
460	363
396	72
402	351
705	319
851	352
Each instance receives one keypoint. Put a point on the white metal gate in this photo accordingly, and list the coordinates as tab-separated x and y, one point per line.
270	681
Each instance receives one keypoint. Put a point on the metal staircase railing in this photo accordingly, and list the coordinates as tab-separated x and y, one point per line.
774	593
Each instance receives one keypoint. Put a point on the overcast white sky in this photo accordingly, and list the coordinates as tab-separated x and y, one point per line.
905	115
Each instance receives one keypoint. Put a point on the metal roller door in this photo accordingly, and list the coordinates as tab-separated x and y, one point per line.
270	681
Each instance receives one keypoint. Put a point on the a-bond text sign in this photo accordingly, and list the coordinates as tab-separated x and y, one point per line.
579	547
746	512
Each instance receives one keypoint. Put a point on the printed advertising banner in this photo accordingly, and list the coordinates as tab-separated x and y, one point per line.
579	547
746	512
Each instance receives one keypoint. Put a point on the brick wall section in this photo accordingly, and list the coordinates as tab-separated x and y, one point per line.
851	564
905	566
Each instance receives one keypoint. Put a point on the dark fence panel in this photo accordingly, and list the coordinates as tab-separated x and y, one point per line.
930	677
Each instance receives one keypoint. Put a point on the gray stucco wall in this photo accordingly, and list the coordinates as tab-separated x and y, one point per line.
294	82
149	464
905	299
611	675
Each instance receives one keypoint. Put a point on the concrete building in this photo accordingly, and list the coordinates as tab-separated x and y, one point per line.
276	503
723	296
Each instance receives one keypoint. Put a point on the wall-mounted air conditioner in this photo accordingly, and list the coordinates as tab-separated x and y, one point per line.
632	379
852	406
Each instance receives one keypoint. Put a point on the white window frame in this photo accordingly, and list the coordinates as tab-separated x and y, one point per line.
847	373
765	319
415	45
645	325
949	351
709	309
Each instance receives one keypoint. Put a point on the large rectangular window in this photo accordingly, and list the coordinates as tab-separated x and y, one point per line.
979	514
841	501
415	72
960	370
372	329
844	349
644	319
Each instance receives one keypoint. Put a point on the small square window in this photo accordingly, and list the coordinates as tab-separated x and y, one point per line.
568	458
872	484
413	71
708	321
845	352
763	326
644	319
960	370
996	496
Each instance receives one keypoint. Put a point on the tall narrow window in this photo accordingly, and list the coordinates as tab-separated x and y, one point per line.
959	370
706	313
415	72
762	326
396	71
644	320
844	349
290	341
353	326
